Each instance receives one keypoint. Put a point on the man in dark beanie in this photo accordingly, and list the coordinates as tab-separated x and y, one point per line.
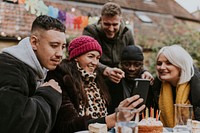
132	64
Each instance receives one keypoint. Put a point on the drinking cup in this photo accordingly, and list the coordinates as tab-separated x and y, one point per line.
183	118
125	120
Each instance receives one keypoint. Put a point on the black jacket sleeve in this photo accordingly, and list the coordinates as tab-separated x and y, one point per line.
195	92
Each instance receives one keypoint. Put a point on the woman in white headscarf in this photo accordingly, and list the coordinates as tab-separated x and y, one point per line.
177	82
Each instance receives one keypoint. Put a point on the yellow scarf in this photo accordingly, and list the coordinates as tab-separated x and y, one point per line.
166	104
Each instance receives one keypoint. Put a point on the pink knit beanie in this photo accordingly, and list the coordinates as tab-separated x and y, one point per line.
82	45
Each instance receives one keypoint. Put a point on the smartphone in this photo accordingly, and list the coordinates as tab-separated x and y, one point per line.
141	88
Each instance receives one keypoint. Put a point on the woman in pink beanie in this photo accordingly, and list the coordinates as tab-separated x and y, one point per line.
84	94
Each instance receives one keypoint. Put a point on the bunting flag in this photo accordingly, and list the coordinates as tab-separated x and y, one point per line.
41	8
69	20
53	12
21	1
77	22
30	5
84	21
62	15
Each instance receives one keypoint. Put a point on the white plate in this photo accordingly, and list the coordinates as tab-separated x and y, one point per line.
167	130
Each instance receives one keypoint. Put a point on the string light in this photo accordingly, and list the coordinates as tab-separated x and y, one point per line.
19	38
73	9
127	22
3	34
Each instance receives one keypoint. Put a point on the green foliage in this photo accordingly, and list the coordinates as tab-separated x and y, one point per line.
189	40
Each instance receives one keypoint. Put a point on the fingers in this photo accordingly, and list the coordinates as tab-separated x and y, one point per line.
136	103
115	79
132	102
151	82
127	110
53	84
116	74
126	102
124	114
141	108
147	75
119	72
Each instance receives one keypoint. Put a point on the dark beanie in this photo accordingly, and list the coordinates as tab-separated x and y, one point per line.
132	52
82	45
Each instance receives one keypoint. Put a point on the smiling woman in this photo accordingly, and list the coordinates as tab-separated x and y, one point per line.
177	82
89	61
85	95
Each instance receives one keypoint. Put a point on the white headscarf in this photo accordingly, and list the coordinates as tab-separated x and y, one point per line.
180	58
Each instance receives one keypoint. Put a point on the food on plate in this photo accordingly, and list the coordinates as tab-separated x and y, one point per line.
150	125
195	126
97	128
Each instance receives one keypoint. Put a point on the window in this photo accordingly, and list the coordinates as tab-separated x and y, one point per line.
149	2
144	18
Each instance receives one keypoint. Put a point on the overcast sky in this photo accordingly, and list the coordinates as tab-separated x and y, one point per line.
190	5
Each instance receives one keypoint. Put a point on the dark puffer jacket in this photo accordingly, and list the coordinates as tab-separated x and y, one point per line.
24	109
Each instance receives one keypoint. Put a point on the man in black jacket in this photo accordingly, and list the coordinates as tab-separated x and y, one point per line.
113	36
131	62
27	104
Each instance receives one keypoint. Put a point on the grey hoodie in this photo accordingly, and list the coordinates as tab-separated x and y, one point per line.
24	52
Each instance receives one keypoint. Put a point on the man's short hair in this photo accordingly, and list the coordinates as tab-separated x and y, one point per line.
111	9
45	22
